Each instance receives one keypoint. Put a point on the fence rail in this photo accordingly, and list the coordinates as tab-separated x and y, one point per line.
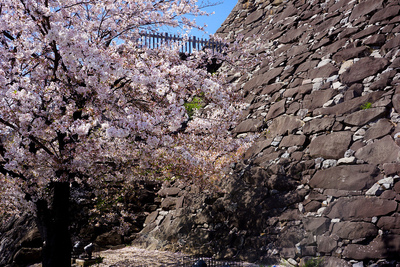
186	45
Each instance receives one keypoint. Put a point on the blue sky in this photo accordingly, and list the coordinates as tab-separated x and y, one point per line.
221	10
214	21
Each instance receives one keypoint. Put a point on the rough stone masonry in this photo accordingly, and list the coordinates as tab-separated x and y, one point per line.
323	178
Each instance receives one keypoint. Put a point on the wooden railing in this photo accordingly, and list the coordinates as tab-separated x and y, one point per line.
186	45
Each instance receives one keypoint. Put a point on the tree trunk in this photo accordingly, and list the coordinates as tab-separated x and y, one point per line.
53	223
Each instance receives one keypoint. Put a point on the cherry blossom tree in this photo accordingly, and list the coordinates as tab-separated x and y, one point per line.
82	102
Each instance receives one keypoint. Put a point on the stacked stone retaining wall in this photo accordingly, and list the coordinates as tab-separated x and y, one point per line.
323	178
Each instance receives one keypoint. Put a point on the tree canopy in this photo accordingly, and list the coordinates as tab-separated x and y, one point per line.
82	102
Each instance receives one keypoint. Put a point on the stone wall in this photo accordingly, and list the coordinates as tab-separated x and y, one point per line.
323	178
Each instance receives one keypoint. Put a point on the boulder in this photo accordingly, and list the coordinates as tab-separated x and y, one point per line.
366	32
254	16
383	81
269	76
335	262
391	169
375	40
270	89
281	183
293	34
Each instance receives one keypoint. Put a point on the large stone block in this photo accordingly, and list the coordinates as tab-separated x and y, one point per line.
293	34
318	98
382	151
293	140
360	208
362	117
379	248
347	177
392	43
317	226
350	105
382	128
250	125
389	223
276	110
254	16
330	146
354	52
318	125
257	147
365	8
385	13
396	102
392	169
326	244
363	68
283	125
354	230
169	191
325	71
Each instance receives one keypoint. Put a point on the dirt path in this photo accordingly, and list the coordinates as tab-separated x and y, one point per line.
131	256
136	257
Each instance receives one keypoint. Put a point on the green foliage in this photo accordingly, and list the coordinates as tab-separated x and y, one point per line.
193	105
366	105
314	262
107	204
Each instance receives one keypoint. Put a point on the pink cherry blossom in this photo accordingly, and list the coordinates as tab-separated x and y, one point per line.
77	92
